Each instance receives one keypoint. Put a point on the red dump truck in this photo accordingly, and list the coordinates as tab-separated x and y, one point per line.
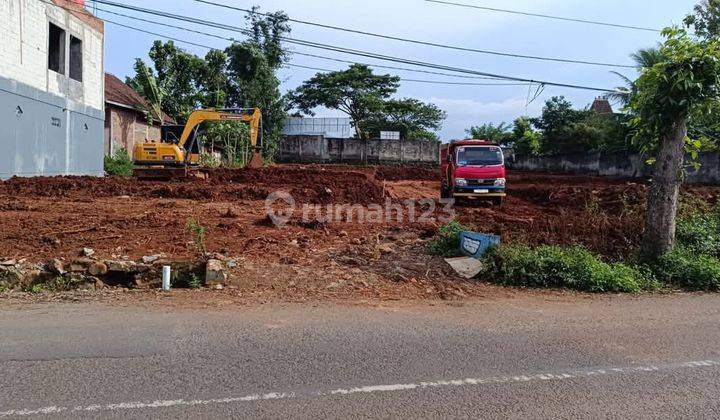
473	169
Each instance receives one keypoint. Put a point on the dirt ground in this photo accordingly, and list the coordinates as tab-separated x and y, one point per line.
45	218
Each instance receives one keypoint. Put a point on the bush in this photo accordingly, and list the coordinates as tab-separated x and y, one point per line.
699	233
447	241
689	269
574	268
119	163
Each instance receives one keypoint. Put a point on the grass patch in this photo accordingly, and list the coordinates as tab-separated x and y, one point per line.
447	241
555	267
119	164
55	284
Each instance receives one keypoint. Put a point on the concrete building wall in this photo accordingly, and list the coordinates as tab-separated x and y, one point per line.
50	124
127	127
24	50
321	149
617	165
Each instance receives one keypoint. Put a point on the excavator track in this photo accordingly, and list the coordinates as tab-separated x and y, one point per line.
167	174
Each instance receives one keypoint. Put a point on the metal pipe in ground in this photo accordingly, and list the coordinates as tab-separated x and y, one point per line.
166	278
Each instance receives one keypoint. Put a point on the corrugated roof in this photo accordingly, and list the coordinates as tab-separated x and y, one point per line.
120	93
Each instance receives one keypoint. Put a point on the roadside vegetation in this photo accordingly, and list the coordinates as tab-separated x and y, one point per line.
693	264
119	164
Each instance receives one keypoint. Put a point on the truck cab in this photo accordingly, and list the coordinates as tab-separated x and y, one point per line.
473	169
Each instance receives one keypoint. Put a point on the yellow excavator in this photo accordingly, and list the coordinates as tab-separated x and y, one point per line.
180	158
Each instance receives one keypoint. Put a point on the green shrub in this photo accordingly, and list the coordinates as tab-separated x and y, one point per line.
699	233
447	241
196	231
119	163
689	269
574	268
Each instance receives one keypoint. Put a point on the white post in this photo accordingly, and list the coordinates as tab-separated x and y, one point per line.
166	278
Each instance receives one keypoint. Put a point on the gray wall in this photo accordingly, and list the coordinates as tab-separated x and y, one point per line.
618	165
44	134
322	149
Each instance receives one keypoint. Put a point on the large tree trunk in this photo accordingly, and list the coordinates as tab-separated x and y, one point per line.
662	205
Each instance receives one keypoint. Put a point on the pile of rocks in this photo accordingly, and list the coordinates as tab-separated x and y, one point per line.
90	272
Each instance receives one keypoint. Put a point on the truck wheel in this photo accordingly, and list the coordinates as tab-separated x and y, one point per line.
445	192
498	201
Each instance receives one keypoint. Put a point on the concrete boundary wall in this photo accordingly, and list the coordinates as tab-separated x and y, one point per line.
618	165
318	149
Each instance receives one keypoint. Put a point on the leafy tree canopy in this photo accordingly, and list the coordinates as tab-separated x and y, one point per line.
414	119
357	92
498	133
706	19
685	84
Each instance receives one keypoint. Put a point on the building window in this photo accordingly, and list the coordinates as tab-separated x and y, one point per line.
75	59
56	49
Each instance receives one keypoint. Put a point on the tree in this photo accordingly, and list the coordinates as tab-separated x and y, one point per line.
179	73
556	123
251	72
415	120
526	141
498	133
147	85
706	19
643	58
214	81
356	91
686	82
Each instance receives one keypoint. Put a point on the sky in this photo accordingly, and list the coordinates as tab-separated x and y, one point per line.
421	20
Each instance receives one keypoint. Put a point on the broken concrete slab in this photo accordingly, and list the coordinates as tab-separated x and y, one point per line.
149	259
215	273
466	267
98	269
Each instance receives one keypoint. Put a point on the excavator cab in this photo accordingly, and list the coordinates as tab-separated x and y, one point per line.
177	154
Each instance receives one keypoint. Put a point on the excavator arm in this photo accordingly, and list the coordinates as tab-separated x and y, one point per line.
253	116
161	159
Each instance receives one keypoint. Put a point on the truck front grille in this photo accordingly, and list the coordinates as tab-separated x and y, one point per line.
481	182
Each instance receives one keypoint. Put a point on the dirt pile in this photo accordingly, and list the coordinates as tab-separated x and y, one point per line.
126	219
306	185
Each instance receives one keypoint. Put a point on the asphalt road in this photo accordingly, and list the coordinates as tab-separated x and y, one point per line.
522	357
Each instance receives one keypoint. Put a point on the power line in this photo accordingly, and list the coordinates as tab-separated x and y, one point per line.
517	12
426	43
184	28
308	67
439	82
354	51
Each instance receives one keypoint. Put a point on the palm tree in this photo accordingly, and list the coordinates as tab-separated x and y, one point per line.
643	58
154	94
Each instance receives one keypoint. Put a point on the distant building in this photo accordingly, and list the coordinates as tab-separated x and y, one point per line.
601	106
335	128
51	89
125	118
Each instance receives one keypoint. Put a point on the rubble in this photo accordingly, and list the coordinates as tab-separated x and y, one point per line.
215	273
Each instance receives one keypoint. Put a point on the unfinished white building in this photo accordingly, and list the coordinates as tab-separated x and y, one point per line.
51	89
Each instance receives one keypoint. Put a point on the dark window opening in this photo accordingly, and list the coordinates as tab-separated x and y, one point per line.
56	49
75	59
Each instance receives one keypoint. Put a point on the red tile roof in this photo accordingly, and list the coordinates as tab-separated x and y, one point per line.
120	93
601	106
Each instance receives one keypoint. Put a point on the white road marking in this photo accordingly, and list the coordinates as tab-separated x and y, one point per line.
573	374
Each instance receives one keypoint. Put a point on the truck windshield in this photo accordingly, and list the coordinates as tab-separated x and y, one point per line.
477	156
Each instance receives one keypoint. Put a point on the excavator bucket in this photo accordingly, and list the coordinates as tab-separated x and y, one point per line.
256	161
